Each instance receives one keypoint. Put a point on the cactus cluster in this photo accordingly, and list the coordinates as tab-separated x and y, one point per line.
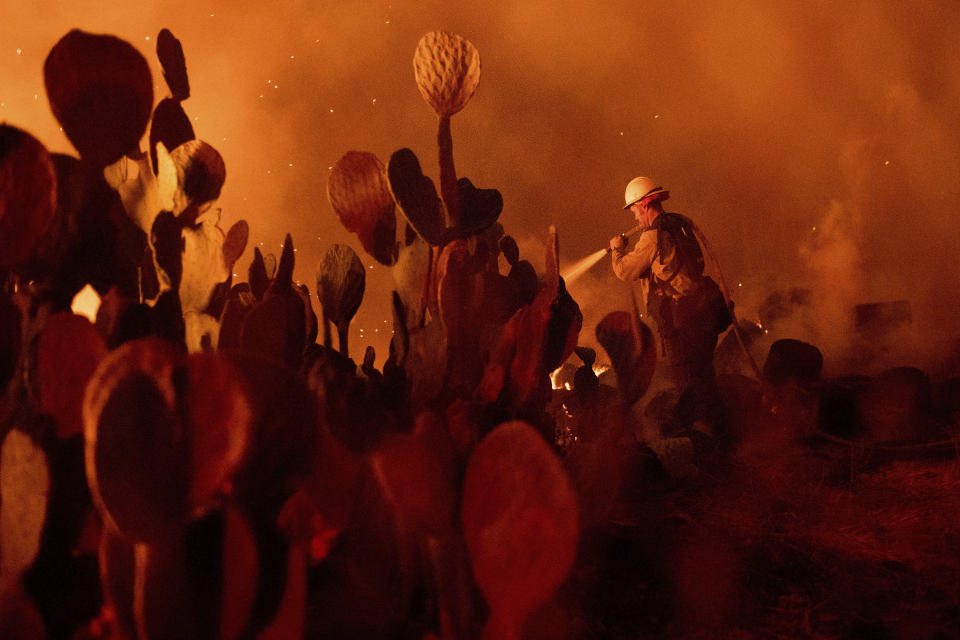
201	461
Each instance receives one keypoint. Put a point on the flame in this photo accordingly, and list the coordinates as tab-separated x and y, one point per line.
553	378
86	303
554	375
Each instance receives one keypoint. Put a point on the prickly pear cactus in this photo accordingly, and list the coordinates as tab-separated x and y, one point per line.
360	195
101	92
447	69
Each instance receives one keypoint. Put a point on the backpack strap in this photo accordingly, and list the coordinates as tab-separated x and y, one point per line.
682	232
658	224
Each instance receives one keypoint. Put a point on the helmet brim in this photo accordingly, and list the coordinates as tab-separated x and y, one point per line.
659	192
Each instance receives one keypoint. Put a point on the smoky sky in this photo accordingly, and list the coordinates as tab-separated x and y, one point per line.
816	144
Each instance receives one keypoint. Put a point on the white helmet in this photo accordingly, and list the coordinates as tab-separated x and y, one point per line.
640	188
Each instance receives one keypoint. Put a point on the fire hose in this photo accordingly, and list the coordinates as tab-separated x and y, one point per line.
853	445
726	298
864	446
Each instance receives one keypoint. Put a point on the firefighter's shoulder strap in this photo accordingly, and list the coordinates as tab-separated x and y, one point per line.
682	232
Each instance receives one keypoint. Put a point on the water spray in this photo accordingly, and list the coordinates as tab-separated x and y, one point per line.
583	265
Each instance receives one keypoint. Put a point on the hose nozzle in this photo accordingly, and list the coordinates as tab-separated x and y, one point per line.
626	235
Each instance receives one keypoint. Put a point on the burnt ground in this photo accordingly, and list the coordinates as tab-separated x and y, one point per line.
790	540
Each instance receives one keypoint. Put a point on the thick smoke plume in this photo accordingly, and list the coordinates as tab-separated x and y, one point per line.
764	119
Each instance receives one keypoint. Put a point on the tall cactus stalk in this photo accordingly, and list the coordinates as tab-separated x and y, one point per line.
447	71
448	174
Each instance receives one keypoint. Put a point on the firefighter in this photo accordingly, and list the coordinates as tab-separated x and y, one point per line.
686	306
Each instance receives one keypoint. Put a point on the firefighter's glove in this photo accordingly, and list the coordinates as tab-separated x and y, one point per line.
618	243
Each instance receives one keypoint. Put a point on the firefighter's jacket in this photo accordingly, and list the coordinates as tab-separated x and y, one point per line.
644	263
